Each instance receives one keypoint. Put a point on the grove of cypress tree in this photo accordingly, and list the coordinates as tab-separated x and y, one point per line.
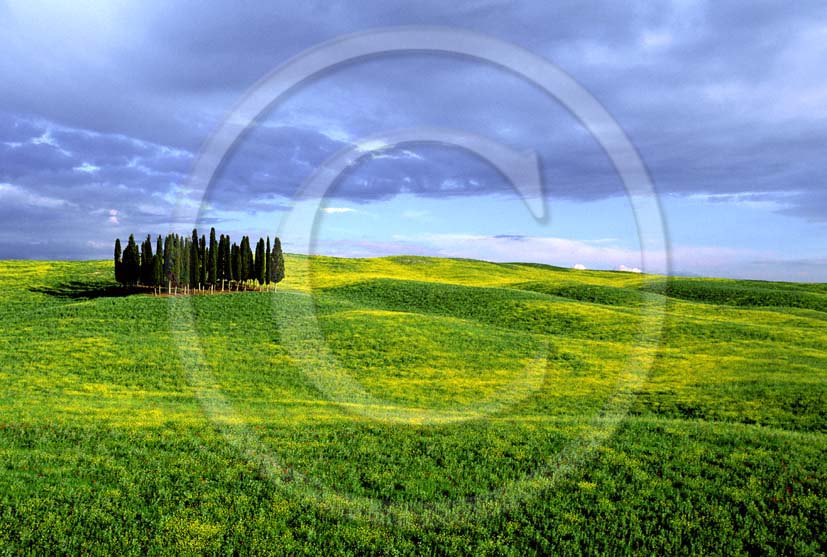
193	262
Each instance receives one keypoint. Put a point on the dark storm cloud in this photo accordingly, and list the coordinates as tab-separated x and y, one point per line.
106	107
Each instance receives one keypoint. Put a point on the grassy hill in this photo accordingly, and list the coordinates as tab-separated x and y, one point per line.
411	405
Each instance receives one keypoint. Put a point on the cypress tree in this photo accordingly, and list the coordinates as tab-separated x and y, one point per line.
185	261
176	249
228	263
118	264
141	252
244	273
194	266
271	264
236	263
251	270
202	259
222	261
267	263
278	261
131	262
142	275
142	272
212	268
260	265
183	277
147	262
169	264
158	264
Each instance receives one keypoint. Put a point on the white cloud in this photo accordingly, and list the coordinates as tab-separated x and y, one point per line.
543	249
579	266
113	216
769	200
45	139
87	168
15	195
338	210
372	145
182	199
629	269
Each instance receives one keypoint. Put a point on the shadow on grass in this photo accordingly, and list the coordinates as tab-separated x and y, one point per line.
78	290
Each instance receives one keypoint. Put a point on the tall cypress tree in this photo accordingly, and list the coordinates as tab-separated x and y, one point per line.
146	261
212	268
169	263
271	263
222	258
202	260
267	263
251	269
244	272
118	263
228	263
261	267
176	246
158	264
194	266
185	261
236	263
131	262
142	270
278	261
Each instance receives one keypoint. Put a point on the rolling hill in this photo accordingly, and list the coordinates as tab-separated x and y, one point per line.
412	405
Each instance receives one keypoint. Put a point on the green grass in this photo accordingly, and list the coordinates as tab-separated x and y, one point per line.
424	406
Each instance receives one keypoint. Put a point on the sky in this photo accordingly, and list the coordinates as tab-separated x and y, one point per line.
106	107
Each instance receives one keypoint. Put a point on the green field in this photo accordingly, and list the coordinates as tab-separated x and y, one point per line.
412	405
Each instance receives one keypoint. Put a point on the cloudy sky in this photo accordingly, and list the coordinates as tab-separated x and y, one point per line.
106	106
